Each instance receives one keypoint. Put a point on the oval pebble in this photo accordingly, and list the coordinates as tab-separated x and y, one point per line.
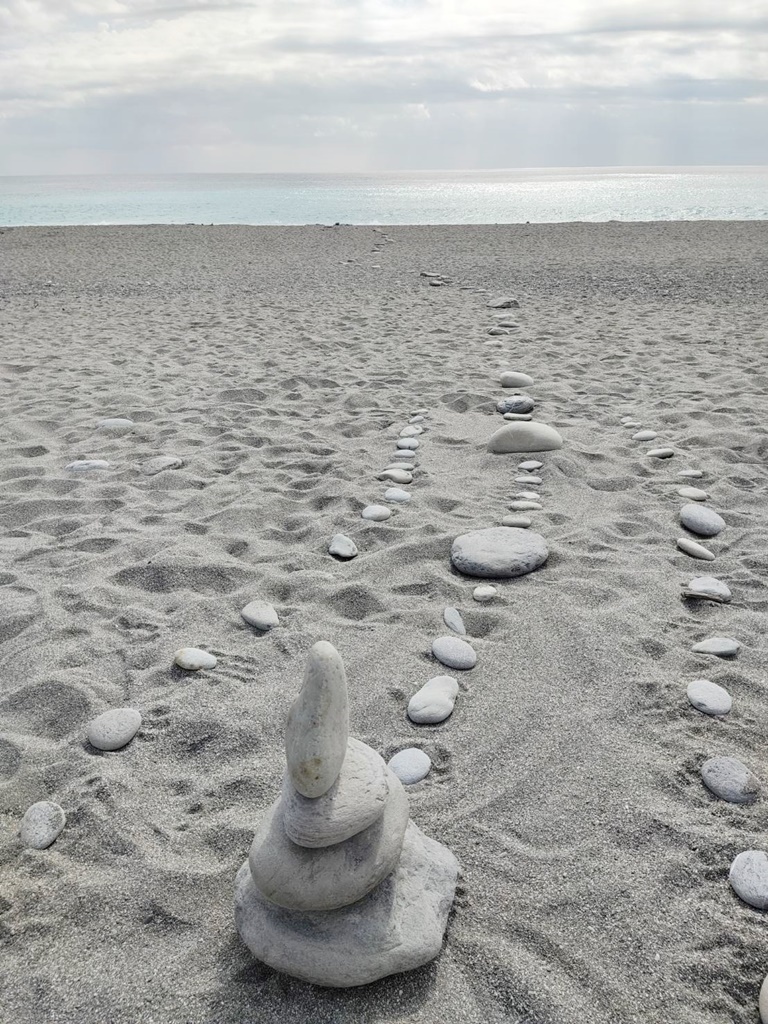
525	506
730	779
526	416
453	620
411	431
521	522
484	593
376	513
397	464
42	824
408	443
702	521
530	464
260	614
342	546
660	453
692	493
404	455
690	547
529	479
454	653
709	698
626	419
524	437
85	465
397	495
512	379
515	403
410	765
644	435
763	1001
631	424
527	495
417	418
692	474
116	424
749	878
434	702
722	646
708	588
397	476
113	729
193	659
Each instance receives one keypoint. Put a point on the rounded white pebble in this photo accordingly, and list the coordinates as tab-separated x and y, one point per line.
521	522
528	479
692	493
692	474
644	435
397	476
530	464
260	614
407	443
85	465
411	431
193	659
113	729
660	453
749	878
42	825
511	379
396	494
116	425
410	765
709	698
434	702
484	593
454	653
376	513
721	646
342	547
690	547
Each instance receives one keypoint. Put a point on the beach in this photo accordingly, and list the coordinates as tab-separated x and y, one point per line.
280	365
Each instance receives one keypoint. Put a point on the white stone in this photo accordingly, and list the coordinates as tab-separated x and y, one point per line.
522	505
496	332
193	659
515	403
484	593
404	455
702	521
518	416
42	825
530	464
660	453
708	588
722	646
355	800
454	621
454	653
397	476
763	1001
730	779
511	379
644	435
527	495
690	547
518	521
631	424
528	479
709	698
376	513
409	443
342	547
399	926
692	474
749	878
417	418
408	467
626	419
160	463
410	765
397	495
113	729
434	701
504	302
116	425
413	431
317	729
260	614
86	465
692	493
498	552
524	437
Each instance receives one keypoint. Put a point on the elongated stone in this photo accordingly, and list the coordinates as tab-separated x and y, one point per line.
261	615
709	698
499	552
660	453
530	464
525	505
434	701
511	379
524	437
454	621
116	425
87	465
644	435
707	588
691	474
721	646
42	825
407	443
516	417
731	780
515	403
193	659
397	476
454	653
317	730
692	493
516	521
504	302
701	520
690	547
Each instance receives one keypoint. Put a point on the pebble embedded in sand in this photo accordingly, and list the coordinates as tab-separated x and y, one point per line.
496	332
692	493
410	765
731	780
518	416
113	729
504	302
749	878
660	453
376	513
42	824
692	474
527	495
193	659
631	424
525	505
530	464
626	419
260	614
524	437
528	479
484	593
397	495
342	547
702	521
454	621
709	698
85	465
515	403
397	476
763	1002
434	701
521	522
722	646
407	442
160	463
454	653
690	547
116	425
411	431
408	467
708	588
417	418
498	552
510	379
404	455
644	435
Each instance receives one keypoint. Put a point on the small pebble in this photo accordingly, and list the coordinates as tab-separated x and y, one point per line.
397	476
626	419
722	646
407	442
525	506
731	780
708	697
701	520
644	435
454	621
763	1002
454	653
116	425
692	493
419	412
410	765
708	588
505	302
113	729
515	403
42	825
411	431
660	453
530	464
407	466
376	513
342	547
418	418
434	701
484	593
521	522
397	495
749	878
404	455
631	424
193	659
692	474
510	379
260	614
528	479
527	495
84	465
690	547
518	416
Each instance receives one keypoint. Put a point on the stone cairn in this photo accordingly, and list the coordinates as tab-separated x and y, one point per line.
340	888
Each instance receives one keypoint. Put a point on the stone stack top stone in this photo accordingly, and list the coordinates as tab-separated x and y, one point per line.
317	730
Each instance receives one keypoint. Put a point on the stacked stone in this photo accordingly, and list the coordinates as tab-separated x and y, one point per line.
340	888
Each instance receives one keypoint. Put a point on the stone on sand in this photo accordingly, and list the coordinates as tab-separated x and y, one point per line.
160	463
87	465
397	476
42	824
504	302
708	588
701	520
113	729
116	425
524	437
692	493
530	464
454	653
721	646
529	478
193	659
511	379
517	417
692	474
410	765
525	505
376	513
518	521
484	593
708	697
409	443
260	614
412	431
730	779
660	453
690	547
498	552
342	547
749	878
397	495
434	702
644	435
515	403
454	621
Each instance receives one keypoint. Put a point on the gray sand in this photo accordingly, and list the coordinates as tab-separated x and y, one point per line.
566	781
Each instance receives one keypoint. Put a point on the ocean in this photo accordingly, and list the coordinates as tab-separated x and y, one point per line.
413	197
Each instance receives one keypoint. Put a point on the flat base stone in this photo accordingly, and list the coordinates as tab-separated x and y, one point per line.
500	552
397	927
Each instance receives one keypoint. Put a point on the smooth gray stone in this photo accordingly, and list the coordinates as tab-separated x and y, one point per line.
631	424
529	478
644	435
496	332
410	765
505	321
317	729
376	513
708	588
342	547
530	464
116	425
515	403
42	825
403	464
692	474
397	476
701	520
404	455
434	702
454	653
417	418
524	437
298	878
397	495
484	593
412	431
722	646
763	1001
499	552
408	443
160	463
690	547
260	614
510	379
521	522
454	621
660	453
397	927
749	878
525	505
693	493
419	412
87	465
193	659
627	419
517	417
731	780
708	697
504	302
355	800
113	729
527	495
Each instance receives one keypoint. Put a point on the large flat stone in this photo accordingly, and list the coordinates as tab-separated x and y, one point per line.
500	552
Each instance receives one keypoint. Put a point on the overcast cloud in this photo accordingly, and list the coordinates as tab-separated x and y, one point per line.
325	85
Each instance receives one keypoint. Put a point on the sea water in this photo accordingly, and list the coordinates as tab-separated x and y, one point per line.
413	197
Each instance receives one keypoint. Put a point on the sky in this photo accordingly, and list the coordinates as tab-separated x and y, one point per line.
153	86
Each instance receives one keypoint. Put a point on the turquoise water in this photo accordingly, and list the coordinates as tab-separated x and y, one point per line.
425	197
